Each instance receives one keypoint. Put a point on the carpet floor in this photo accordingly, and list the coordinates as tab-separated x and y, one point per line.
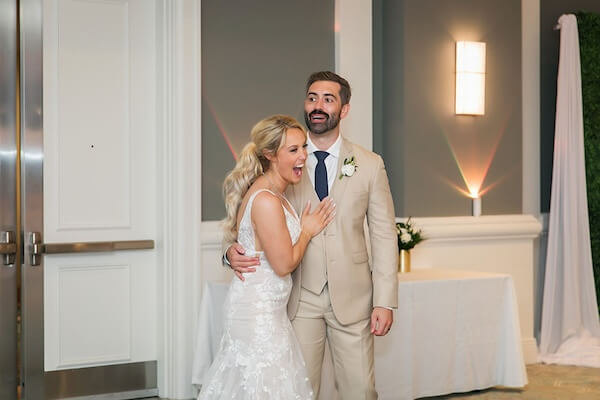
546	382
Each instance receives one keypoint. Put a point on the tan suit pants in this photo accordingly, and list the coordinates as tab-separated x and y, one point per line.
351	347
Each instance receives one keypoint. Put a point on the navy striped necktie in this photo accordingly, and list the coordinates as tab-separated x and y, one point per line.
321	185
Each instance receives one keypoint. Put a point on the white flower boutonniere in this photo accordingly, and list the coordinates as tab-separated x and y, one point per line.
349	167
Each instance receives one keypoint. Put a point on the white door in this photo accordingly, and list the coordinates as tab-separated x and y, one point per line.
97	263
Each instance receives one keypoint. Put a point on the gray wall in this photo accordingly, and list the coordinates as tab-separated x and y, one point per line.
424	144
256	56
550	11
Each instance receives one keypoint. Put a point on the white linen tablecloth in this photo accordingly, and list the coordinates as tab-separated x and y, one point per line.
454	331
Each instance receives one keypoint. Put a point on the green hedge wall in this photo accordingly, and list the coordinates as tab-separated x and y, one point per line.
588	25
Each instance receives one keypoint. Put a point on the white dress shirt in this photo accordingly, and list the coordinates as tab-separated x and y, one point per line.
331	162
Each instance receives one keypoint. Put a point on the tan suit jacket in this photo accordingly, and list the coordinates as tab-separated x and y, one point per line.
341	248
355	287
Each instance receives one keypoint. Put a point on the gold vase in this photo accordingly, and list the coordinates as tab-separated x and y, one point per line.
404	261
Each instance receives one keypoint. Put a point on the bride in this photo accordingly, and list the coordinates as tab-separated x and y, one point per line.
259	356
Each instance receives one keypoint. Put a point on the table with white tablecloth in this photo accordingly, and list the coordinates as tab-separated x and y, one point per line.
454	331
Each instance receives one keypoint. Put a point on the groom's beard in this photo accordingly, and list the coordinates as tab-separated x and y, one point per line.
331	121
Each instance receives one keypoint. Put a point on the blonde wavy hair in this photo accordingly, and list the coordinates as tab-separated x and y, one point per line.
267	136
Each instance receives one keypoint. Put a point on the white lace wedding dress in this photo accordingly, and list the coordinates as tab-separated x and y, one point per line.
259	356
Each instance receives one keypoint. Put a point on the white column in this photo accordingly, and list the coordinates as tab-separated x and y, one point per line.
353	61
179	116
530	53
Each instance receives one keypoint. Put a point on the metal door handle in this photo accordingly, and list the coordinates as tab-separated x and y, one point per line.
37	248
8	247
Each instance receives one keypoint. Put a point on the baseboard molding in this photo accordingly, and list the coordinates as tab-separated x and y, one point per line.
132	394
530	350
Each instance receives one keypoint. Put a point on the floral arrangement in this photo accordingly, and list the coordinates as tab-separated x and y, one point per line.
407	236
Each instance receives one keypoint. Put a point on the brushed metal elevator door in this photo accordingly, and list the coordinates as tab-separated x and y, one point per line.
8	200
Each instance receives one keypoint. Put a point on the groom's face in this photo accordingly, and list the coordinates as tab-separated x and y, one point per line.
323	107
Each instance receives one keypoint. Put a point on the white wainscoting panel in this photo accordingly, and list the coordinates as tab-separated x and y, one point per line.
539	273
99	309
99	120
94	137
502	243
212	268
94	327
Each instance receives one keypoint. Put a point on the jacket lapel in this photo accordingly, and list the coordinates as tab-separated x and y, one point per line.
302	192
339	185
308	191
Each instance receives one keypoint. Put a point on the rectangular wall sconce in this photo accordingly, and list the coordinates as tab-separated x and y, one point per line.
470	78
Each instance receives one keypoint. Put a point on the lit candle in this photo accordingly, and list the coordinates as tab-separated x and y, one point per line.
476	206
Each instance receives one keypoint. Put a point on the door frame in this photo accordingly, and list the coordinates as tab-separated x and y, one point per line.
32	287
179	244
8	198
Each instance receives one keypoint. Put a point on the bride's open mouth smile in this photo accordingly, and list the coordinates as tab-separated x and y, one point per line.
298	170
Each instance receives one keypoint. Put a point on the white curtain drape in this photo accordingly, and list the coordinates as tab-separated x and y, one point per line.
570	326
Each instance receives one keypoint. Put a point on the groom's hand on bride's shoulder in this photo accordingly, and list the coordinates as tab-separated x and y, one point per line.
381	321
241	263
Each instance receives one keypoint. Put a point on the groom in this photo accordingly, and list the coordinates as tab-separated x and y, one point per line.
336	295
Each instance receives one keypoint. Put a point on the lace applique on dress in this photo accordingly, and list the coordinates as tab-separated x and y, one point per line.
259	356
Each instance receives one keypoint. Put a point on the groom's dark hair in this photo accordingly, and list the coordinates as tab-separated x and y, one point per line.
333	77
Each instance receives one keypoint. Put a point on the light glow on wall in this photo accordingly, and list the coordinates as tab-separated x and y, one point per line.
470	78
474	156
